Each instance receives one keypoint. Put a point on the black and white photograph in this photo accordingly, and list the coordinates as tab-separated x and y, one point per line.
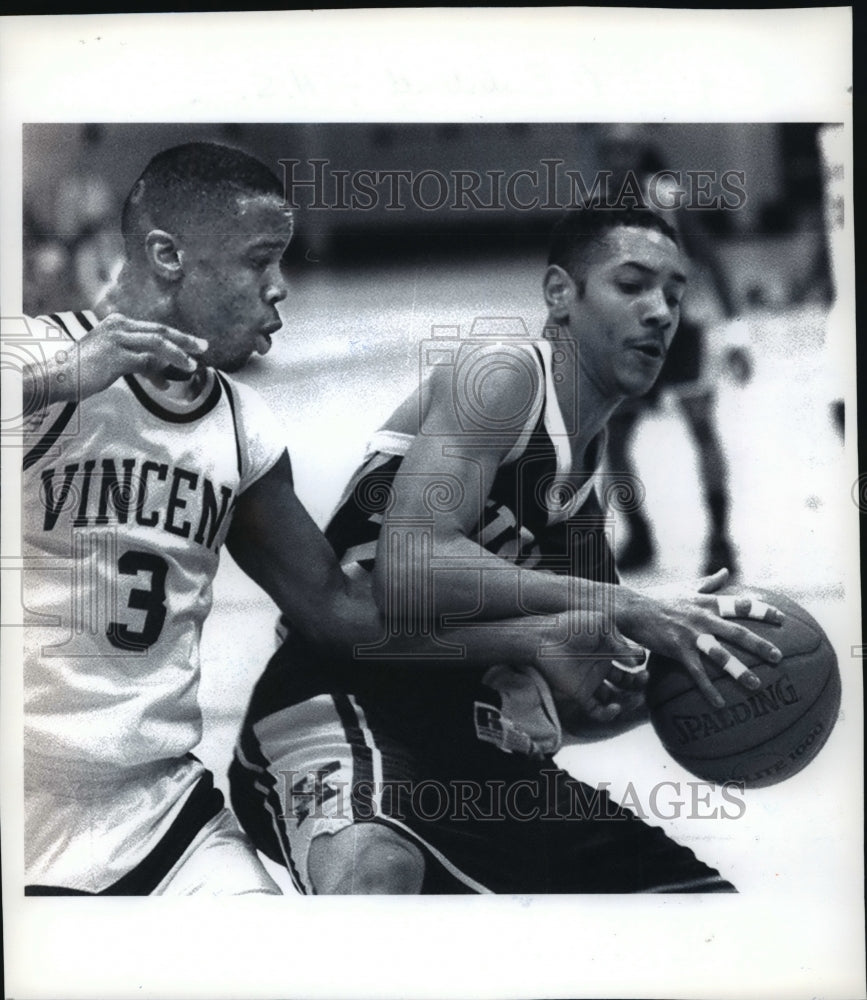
424	506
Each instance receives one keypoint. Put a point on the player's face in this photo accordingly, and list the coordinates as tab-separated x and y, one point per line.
626	310
232	280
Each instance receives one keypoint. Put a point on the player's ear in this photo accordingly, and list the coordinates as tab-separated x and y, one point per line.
559	291
164	255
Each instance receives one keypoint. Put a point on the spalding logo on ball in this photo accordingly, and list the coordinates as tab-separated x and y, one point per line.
759	737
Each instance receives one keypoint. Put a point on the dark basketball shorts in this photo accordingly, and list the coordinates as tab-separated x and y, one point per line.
487	821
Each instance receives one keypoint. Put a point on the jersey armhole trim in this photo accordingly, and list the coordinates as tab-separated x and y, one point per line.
264	471
222	380
536	409
49	439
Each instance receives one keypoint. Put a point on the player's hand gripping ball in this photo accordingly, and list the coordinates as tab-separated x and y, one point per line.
759	737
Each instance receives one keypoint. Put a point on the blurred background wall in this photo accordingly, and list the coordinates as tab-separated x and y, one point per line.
76	176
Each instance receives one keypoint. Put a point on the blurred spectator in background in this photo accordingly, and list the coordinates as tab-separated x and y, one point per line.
48	271
685	374
72	250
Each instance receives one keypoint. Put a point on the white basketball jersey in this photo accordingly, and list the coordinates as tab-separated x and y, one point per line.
128	496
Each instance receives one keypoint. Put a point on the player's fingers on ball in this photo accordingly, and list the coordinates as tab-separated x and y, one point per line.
729	663
746	639
708	602
732	606
603	699
696	670
605	694
602	694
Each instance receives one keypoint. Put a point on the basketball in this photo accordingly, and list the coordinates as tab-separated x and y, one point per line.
760	737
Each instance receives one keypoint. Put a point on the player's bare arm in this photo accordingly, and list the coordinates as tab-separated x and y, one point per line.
118	345
276	542
446	453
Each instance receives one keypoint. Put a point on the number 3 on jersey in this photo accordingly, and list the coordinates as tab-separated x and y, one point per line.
152	601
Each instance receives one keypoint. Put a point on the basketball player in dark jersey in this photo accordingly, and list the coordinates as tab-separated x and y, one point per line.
483	498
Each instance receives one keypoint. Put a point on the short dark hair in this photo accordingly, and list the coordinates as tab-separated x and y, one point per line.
580	230
195	176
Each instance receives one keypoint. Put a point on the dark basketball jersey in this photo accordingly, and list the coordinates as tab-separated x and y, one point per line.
540	514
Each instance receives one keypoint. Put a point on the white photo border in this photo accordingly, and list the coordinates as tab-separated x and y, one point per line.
450	64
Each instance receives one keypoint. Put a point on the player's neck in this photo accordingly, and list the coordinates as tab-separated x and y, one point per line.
595	406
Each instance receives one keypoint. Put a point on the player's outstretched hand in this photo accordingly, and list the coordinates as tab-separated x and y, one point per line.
117	346
594	675
687	623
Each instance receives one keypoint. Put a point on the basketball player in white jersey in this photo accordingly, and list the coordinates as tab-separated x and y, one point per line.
482	498
142	459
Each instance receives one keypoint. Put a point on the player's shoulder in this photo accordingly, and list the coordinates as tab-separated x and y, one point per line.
490	383
499	358
259	435
243	397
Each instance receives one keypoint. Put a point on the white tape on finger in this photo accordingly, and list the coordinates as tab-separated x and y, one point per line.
628	668
726	606
708	645
705	643
734	668
758	610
